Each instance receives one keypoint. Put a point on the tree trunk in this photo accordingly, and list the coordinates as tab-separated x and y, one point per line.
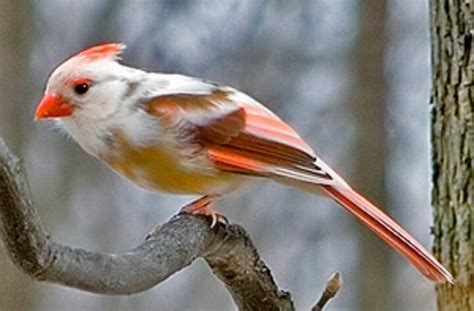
16	290
452	28
369	110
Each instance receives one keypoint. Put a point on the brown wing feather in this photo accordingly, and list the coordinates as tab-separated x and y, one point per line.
200	118
233	138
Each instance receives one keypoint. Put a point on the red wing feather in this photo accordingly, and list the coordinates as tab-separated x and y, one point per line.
262	123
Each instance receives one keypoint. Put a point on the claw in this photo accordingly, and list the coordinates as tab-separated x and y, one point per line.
203	206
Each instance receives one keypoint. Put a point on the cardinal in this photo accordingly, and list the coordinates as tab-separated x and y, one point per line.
178	134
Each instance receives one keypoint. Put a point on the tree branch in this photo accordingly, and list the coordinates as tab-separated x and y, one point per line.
170	247
333	285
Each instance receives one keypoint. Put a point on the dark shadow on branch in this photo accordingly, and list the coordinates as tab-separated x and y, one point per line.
169	248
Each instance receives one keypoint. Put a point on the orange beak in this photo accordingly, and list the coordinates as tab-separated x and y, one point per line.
53	106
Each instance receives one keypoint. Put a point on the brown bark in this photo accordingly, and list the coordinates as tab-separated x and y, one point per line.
452	29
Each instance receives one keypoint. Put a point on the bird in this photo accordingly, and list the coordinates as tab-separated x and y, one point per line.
172	133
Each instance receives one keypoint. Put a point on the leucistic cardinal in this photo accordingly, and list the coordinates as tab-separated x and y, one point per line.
178	134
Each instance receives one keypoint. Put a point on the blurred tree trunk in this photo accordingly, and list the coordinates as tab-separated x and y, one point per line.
452	28
16	289
14	51
369	112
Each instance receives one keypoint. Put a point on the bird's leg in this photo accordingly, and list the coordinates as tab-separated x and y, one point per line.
203	206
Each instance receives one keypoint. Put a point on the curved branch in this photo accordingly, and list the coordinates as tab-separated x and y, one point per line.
169	248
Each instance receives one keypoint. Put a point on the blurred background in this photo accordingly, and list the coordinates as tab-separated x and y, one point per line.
351	76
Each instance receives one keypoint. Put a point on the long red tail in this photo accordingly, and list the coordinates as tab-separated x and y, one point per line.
266	146
389	231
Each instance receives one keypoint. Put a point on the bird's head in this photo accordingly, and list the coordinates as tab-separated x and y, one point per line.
88	85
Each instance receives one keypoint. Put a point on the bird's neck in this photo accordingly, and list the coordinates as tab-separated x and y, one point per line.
101	138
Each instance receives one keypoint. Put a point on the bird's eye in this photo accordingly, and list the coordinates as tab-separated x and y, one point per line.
81	86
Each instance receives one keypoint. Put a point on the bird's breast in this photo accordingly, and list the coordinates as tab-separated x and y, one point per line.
159	168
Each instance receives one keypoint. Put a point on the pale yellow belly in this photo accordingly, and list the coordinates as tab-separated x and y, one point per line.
158	170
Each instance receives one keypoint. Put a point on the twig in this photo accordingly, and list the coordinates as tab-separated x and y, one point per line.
333	284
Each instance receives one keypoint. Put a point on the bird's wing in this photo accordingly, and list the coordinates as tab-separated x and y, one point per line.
237	134
240	135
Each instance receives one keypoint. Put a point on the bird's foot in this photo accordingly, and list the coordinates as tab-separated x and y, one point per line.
203	206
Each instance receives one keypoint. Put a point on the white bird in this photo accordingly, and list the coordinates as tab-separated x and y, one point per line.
178	134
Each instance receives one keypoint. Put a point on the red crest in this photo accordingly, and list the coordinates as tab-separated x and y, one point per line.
103	51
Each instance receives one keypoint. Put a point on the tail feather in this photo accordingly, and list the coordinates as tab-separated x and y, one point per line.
388	230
